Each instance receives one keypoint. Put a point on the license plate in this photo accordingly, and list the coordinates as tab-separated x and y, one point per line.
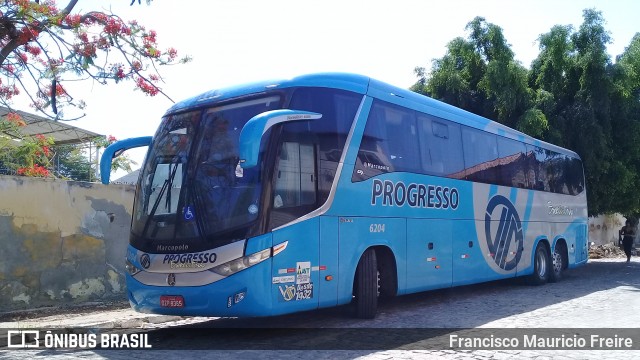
172	301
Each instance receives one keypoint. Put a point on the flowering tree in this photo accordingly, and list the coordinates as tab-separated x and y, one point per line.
31	156
43	46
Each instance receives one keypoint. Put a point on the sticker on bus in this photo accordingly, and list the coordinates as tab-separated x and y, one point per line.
296	292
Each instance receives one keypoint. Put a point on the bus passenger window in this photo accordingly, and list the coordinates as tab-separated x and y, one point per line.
512	168
389	142
338	109
536	173
440	146
480	155
574	175
555	169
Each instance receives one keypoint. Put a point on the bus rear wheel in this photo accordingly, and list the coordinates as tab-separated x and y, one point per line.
366	286
541	266
557	263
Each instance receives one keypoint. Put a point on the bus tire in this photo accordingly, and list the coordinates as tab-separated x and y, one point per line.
366	286
557	263
541	266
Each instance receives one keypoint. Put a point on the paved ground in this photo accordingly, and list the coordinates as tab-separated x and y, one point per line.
603	294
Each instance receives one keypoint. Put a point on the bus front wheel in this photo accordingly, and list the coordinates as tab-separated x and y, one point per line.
541	266
365	287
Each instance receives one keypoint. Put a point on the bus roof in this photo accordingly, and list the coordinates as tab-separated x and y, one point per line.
377	89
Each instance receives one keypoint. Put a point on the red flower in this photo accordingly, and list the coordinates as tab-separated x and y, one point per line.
9	68
33	50
113	26
173	53
16	119
147	87
120	73
60	91
73	20
35	170
26	34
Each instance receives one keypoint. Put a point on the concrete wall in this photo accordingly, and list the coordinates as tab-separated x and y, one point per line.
604	229
61	241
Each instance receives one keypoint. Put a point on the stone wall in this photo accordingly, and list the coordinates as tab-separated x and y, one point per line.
61	241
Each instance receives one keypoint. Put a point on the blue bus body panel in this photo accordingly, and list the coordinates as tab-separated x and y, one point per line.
576	237
429	251
329	262
491	233
258	243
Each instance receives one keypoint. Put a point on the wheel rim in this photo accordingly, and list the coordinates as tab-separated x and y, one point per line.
542	263
557	262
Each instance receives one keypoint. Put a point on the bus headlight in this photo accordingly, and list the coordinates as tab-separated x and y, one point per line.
233	266
131	269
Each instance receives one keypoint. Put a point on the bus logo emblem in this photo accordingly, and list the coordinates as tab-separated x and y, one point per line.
507	235
171	279
288	292
145	261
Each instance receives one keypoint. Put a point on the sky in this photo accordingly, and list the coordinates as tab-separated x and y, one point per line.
239	41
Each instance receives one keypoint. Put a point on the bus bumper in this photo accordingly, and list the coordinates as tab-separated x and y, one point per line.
246	293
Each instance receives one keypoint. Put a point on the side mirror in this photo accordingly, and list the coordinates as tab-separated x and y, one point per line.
116	149
252	131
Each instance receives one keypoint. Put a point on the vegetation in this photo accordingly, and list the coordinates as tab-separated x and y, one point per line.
573	96
73	163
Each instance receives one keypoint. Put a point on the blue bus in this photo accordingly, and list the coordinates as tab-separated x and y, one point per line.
329	189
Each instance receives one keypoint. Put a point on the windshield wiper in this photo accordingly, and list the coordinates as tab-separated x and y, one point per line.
168	183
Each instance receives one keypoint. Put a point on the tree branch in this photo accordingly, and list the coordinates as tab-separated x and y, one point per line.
67	10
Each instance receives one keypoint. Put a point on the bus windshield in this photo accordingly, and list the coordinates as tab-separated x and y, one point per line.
192	187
